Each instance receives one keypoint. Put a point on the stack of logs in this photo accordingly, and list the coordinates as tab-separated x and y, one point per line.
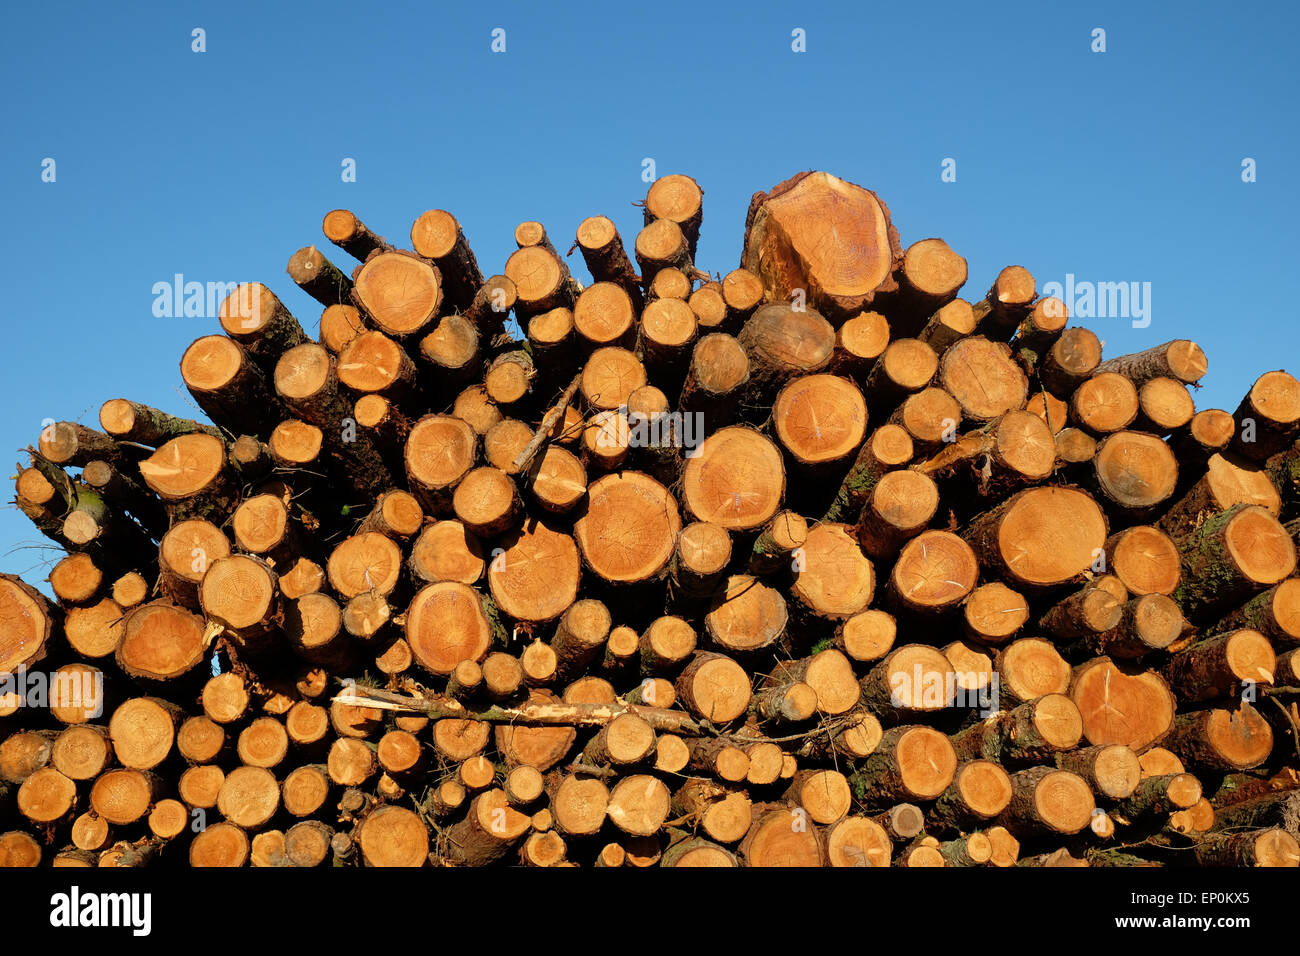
814	563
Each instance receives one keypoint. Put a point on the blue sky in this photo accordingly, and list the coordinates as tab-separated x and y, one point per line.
1115	166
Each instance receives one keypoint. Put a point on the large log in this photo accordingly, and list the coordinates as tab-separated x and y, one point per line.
830	238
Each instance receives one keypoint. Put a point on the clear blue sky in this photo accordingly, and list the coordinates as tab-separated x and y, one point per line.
1115	166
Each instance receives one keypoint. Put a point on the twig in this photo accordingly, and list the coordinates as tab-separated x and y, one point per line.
1295	731
525	458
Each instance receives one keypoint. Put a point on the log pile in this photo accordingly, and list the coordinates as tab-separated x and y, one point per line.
814	563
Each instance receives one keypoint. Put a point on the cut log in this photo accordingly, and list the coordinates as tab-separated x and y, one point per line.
715	381
1145	560
1164	406
1087	612
1007	304
912	763
867	636
256	319
579	805
1040	537
1274	613
606	259
1209	432
828	237
321	279
541	279
374	363
339	325
535	572
735	479
1106	402
669	283
1150	622
1048	802
783	343
128	421
580	634
1224	740
1121	705
1112	771
240	594
1232	555
143	731
1181	360
1227	480
774	549
679	199
703	552
161	642
746	616
1270	847
350	234
605	315
1268	418
232	391
1031	733
781	836
446	624
666	645
398	292
192	477
714	687
743	293
82	752
1222	666
994	613
935	571
709	305
983	379
609	377
184	555
436	235
27	624
451	349
627	530
123	796
447	551
662	245
1160	796
439	453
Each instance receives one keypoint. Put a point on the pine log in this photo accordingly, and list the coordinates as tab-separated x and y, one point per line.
1270	847
912	763
935	571
981	376
1232	555
1112	770
746	616
606	259
1121	705
1222	666
833	578
1275	613
828	237
1031	733
321	279
1040	537
715	381
930	418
